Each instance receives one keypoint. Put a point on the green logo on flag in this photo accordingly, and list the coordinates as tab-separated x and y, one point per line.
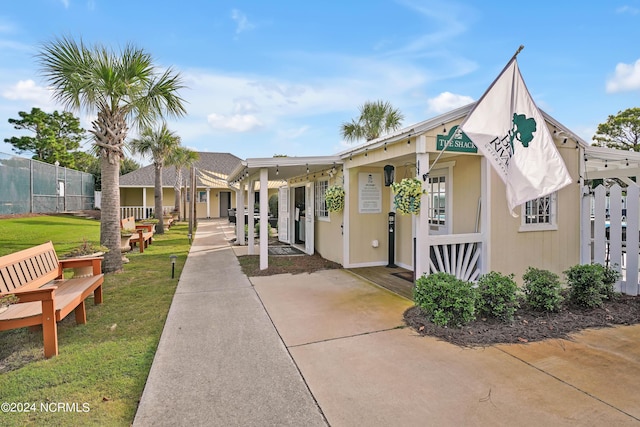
522	130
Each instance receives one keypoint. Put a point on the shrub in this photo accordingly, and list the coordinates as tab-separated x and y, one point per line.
590	284
445	299
497	296
273	205
542	289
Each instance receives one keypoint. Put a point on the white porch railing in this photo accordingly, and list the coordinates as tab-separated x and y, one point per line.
611	235
457	254
141	212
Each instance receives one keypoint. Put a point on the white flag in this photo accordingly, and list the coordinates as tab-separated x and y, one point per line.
509	130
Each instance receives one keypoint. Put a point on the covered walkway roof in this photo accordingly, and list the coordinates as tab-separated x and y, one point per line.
282	168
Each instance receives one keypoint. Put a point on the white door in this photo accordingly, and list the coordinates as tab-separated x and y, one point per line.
309	219
283	214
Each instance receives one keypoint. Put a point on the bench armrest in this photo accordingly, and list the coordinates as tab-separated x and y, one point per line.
41	294
95	262
145	227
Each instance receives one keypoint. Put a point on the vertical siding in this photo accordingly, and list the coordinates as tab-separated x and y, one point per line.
513	251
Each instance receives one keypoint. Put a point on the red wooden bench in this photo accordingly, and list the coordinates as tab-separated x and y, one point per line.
35	276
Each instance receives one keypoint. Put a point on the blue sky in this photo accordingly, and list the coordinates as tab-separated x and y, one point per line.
279	77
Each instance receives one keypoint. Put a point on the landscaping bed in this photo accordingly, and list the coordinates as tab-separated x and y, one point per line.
529	325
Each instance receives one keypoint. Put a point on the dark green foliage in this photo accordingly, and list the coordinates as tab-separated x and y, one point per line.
273	205
621	131
446	299
55	136
542	289
590	284
497	296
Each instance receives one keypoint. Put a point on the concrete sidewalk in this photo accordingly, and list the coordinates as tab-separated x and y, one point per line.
220	361
339	354
365	368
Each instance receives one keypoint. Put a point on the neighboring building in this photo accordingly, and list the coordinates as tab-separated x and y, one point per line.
213	196
464	226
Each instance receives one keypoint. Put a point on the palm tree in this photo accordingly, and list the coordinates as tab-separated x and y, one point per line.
158	144
121	88
376	118
180	158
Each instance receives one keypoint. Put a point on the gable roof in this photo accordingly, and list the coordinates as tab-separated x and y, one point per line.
426	125
221	163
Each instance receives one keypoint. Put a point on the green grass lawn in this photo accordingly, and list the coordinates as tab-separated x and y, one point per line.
102	366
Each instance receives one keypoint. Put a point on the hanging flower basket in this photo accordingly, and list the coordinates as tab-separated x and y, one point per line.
334	197
407	195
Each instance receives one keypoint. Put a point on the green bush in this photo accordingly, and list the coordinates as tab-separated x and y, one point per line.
446	299
273	205
590	284
542	289
497	296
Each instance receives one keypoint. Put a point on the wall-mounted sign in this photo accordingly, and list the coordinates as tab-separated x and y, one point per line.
460	143
369	192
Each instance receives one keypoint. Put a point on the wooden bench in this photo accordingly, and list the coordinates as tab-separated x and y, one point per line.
35	276
142	233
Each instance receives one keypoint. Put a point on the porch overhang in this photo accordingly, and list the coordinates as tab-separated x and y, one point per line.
265	171
602	163
282	168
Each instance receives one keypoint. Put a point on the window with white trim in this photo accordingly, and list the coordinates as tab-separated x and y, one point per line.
321	202
539	214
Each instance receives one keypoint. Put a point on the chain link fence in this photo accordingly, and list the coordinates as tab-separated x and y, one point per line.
30	186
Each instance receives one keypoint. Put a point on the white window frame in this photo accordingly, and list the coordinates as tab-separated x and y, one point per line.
202	199
550	225
321	212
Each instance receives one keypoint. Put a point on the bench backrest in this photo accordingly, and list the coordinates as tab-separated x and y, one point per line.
128	223
28	269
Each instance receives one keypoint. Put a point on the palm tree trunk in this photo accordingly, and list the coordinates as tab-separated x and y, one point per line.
110	215
158	198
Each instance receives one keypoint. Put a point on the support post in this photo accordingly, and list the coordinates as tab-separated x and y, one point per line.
264	220
422	222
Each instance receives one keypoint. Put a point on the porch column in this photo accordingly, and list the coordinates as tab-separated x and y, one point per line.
144	203
422	223
240	214
346	215
208	202
250	227
264	219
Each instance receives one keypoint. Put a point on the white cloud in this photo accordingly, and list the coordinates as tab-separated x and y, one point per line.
292	133
628	9
242	23
626	78
234	123
447	101
28	90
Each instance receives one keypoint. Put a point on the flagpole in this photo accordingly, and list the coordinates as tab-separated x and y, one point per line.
513	58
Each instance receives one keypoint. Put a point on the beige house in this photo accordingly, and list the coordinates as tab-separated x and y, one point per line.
213	199
463	227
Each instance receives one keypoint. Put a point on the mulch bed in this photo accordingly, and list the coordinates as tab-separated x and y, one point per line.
529	325
295	264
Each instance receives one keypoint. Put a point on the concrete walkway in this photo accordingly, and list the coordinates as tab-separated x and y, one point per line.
220	361
340	354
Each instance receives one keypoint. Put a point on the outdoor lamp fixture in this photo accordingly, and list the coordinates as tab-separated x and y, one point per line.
444	128
389	172
173	264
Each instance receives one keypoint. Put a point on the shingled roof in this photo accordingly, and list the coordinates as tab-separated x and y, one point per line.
221	163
